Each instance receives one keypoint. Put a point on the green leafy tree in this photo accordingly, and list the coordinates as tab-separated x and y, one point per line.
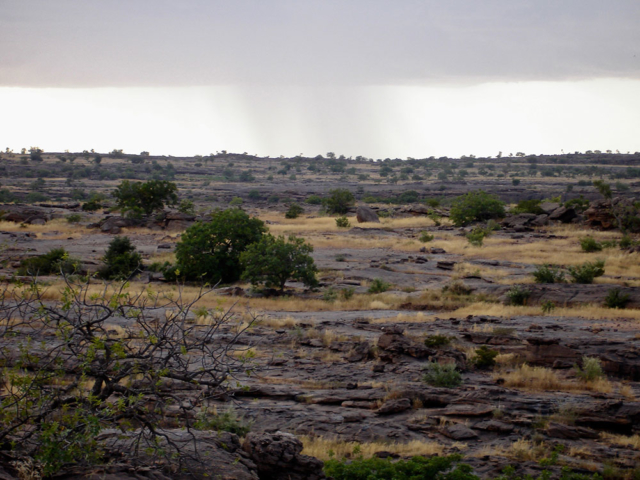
211	251
339	201
146	197
121	260
274	260
294	211
476	206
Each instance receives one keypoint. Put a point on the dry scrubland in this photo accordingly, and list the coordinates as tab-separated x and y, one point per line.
343	367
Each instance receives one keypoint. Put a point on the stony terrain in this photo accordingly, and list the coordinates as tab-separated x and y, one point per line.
351	370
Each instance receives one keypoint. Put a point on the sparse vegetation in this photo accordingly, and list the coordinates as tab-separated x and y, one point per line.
548	274
518	295
378	286
586	272
616	299
442	375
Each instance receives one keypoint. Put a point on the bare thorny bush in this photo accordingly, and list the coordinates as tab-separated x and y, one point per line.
75	367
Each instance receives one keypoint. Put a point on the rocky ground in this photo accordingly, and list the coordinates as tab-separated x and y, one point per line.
356	375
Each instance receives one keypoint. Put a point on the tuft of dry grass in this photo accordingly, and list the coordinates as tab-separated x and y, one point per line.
320	447
592	312
622	440
543	379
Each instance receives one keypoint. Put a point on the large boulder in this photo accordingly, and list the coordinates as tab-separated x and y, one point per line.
366	214
278	457
24	214
396	343
563	214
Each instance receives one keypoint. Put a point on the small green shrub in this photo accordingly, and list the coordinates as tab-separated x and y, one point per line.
616	299
313	200
236	201
591	369
273	199
586	272
518	295
92	206
294	211
548	274
438	375
74	218
187	207
528	206
548	307
476	236
120	260
484	357
342	222
330	295
435	341
626	241
425	237
378	286
54	262
590	244
227	421
347	293
416	468
475	206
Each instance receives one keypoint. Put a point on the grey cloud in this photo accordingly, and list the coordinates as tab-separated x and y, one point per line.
77	43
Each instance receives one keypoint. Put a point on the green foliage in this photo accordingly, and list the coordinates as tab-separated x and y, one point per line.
294	211
548	274
273	199
425	237
435	341
484	357
92	205
518	295
211	251
548	307
74	218
603	188
515	182
476	206
227	421
528	206
616	299
590	244
476	236
330	295
54	262
347	293
378	286
313	200
187	207
591	369
339	201
416	468
121	260
254	195
272	261
442	375
342	222
236	202
626	241
432	202
579	204
586	272
146	197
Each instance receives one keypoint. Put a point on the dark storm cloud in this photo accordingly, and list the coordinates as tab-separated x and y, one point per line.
69	43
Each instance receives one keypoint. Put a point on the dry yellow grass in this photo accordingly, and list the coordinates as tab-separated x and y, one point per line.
622	440
561	251
57	228
585	311
543	379
320	447
497	275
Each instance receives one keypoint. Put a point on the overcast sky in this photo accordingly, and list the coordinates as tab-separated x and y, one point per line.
361	77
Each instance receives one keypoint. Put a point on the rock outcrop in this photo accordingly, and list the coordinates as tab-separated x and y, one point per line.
278	457
366	214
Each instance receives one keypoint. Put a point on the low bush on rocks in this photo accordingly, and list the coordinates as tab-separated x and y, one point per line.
438	375
548	274
616	299
587	272
518	295
440	468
